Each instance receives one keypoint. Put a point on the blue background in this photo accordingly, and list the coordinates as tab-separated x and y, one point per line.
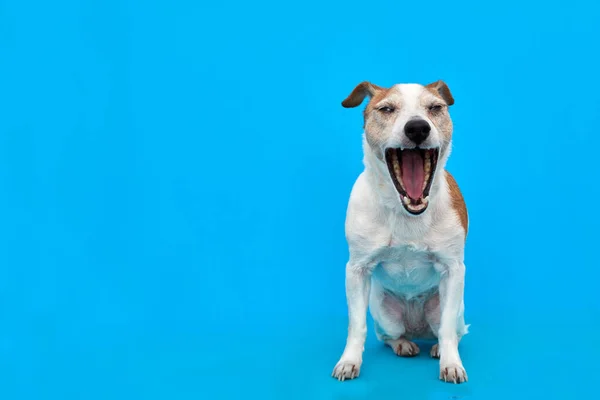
174	179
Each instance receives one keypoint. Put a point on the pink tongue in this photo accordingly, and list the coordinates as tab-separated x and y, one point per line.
413	173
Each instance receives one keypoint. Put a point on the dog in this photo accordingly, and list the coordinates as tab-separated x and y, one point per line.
406	227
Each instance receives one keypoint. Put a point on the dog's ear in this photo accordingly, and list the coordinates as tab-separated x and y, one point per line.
441	89
359	93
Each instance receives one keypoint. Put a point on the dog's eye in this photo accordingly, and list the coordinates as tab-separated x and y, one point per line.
386	109
435	108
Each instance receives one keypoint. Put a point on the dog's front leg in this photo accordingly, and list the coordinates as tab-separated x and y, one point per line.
358	286
452	307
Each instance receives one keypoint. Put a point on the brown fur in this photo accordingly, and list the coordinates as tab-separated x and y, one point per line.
354	99
376	125
377	97
359	93
441	90
458	202
443	123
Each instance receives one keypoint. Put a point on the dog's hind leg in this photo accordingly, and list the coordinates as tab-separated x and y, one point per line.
387	312
404	347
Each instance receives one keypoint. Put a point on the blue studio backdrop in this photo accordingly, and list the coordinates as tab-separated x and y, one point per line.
174	178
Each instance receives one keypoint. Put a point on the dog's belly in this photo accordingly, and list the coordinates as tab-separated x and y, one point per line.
407	274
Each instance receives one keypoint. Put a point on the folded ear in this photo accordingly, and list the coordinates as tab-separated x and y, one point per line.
359	93
441	89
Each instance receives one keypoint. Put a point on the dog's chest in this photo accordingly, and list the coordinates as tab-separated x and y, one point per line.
407	270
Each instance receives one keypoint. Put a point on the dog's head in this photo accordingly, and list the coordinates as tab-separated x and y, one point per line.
408	128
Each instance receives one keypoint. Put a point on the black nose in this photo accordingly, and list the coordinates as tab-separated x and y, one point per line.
417	130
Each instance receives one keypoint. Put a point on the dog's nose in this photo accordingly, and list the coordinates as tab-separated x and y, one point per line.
417	130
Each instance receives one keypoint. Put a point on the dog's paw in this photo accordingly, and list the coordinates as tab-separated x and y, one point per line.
435	351
404	348
346	369
453	373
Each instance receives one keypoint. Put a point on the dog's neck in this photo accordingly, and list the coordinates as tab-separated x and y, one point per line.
387	195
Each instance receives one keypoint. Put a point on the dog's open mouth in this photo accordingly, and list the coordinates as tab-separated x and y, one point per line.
412	172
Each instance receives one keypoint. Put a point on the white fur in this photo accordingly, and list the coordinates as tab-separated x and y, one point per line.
411	257
412	107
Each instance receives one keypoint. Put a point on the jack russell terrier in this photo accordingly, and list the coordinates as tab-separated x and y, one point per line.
406	226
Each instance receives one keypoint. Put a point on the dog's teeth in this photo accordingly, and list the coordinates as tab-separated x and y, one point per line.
427	175
405	200
396	163
426	200
417	207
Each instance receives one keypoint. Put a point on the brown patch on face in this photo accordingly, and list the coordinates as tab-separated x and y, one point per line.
458	203
377	125
373	126
440	119
443	123
377	97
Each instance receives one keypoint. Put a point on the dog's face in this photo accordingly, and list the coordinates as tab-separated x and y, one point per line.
409	129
